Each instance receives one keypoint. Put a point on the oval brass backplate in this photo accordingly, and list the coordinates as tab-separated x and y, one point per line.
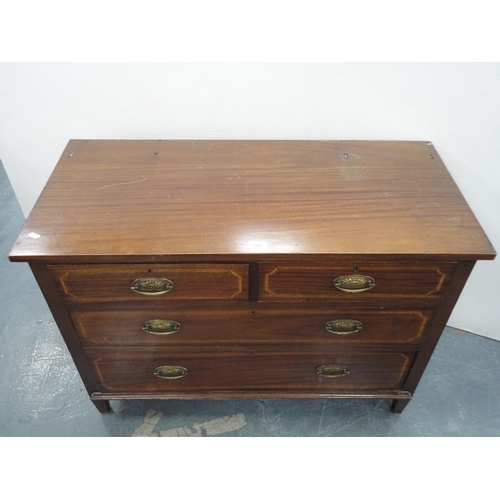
152	286
332	371
171	372
354	283
161	326
343	326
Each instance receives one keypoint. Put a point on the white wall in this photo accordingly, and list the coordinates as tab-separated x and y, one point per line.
456	106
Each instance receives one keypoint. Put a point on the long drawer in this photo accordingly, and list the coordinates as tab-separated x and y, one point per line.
420	282
155	282
259	325
152	370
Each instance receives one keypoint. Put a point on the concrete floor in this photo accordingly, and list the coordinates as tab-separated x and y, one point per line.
41	393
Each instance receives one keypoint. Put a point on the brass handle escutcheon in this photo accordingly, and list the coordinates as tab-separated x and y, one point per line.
152	286
354	283
332	371
161	326
343	326
171	372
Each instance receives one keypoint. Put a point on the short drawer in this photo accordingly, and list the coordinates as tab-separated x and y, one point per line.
176	369
260	325
351	282
136	282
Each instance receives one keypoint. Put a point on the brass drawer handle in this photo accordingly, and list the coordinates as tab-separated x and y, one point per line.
152	286
354	283
332	371
343	326
161	326
171	372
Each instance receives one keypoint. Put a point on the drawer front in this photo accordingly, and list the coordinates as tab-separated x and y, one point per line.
116	282
211	369
425	283
260	325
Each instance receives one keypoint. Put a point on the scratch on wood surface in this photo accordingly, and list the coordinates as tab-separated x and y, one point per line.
453	222
122	183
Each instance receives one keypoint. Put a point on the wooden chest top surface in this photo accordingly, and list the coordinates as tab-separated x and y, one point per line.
137	200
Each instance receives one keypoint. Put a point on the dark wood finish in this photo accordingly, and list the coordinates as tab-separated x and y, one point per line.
102	405
132	369
65	326
126	201
98	283
395	395
439	322
259	325
418	282
252	234
253	277
398	405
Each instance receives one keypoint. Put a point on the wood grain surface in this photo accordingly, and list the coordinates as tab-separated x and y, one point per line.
106	283
419	282
131	369
124	201
258	325
251	235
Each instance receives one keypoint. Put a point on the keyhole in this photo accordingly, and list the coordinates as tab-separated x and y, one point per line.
356	269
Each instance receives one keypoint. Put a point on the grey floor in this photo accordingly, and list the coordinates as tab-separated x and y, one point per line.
41	393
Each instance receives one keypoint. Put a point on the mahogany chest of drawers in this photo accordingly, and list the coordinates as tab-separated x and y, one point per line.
251	269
